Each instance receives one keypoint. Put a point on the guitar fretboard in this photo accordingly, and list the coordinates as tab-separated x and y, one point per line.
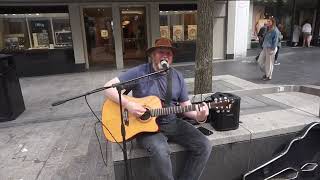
182	109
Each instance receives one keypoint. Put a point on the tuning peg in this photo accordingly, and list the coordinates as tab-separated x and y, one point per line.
228	110
221	107
215	100
220	99
223	110
218	111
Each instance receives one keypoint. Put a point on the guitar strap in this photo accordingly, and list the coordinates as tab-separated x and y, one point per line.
169	88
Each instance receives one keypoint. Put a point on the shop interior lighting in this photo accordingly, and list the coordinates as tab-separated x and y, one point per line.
131	12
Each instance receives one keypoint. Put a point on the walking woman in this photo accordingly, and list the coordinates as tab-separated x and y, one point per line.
267	55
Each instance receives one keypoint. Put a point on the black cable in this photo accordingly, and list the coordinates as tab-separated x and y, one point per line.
85	97
95	131
130	160
100	121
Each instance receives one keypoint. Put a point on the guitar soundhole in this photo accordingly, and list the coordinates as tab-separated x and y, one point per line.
146	115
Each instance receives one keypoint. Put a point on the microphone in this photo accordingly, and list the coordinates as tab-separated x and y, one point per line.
164	63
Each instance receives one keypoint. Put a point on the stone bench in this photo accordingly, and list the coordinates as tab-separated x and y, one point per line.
269	118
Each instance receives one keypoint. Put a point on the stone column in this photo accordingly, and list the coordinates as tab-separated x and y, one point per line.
1	33
154	23
237	32
250	30
117	33
77	35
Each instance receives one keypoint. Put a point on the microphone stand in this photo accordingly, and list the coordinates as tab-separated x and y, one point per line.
119	86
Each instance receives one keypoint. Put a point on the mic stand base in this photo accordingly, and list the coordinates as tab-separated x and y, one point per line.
123	134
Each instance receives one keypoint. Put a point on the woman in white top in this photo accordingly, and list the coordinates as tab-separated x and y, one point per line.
296	35
306	30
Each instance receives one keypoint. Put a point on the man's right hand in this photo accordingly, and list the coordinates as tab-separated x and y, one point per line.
135	108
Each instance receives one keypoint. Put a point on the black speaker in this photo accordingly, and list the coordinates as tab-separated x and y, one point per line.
11	100
226	119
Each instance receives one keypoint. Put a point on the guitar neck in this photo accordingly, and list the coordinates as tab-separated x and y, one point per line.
181	109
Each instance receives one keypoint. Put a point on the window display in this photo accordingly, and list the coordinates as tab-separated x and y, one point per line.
62	31
178	33
165	32
13	33
192	32
178	25
178	22
40	33
34	31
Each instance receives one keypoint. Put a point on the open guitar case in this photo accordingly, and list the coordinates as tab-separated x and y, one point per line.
299	160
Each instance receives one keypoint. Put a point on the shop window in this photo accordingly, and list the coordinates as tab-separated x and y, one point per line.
178	25
13	32
34	31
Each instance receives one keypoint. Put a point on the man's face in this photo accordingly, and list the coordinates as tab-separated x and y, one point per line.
159	54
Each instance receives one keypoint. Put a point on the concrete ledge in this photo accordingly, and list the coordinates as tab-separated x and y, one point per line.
256	125
217	138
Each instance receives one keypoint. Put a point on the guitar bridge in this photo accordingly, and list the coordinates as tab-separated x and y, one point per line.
125	116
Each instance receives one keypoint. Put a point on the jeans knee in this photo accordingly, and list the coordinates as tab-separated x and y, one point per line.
159	150
206	147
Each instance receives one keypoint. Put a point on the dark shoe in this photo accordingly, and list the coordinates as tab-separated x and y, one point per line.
276	63
266	78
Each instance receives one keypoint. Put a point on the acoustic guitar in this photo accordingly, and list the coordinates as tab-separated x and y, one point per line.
111	117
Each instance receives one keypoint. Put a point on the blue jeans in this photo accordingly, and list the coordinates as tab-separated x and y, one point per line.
185	134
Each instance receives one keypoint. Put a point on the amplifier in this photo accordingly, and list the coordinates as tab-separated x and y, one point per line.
223	120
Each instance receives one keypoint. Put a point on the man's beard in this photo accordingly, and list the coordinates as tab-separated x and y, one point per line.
156	66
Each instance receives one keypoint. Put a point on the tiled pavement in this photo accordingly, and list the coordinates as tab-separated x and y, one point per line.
59	142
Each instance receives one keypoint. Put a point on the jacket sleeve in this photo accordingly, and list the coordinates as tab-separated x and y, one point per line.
274	40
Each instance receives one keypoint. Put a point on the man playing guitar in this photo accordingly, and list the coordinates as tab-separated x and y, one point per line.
170	126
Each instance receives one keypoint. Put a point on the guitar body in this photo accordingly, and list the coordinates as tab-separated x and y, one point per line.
111	118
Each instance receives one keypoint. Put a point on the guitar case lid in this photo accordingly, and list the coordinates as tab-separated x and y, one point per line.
299	160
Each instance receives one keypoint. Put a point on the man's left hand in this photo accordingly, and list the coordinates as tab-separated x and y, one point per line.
203	113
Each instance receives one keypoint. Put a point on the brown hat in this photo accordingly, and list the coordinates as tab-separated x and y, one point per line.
161	43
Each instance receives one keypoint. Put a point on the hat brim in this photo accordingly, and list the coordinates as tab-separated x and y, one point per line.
149	51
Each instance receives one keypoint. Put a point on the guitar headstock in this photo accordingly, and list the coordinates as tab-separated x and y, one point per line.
222	104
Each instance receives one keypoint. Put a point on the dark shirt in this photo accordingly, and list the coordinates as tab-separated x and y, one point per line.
156	86
262	32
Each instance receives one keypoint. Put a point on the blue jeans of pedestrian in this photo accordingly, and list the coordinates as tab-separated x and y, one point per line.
197	145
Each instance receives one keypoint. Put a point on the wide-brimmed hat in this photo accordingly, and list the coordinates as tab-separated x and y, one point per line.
161	43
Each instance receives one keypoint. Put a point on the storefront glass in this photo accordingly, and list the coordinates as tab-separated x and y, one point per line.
34	31
133	24
281	10
99	36
39	38
290	17
178	22
13	32
178	25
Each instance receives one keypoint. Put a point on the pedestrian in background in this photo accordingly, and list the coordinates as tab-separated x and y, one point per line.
267	55
296	35
306	30
280	37
262	32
